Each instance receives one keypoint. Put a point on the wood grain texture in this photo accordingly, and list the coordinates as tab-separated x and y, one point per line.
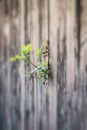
26	104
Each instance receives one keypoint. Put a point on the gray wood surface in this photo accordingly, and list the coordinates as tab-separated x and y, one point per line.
26	104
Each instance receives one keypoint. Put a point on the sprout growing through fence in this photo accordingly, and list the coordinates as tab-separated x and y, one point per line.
41	68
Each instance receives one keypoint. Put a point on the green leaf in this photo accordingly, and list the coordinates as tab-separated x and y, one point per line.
16	57
12	59
26	49
38	54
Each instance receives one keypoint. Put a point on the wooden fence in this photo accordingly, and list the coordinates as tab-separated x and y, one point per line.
25	104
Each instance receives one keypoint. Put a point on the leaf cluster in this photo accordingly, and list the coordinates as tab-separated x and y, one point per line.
25	52
43	71
41	68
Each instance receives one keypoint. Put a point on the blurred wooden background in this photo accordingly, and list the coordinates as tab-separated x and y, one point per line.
25	104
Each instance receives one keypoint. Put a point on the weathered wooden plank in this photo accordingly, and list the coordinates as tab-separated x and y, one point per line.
33	31
53	64
45	89
71	41
21	69
61	67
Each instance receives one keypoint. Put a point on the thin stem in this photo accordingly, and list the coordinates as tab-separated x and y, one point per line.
29	61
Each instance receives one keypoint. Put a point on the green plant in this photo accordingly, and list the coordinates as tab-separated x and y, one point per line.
40	68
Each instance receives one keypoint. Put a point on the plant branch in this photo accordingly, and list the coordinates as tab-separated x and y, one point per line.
29	61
